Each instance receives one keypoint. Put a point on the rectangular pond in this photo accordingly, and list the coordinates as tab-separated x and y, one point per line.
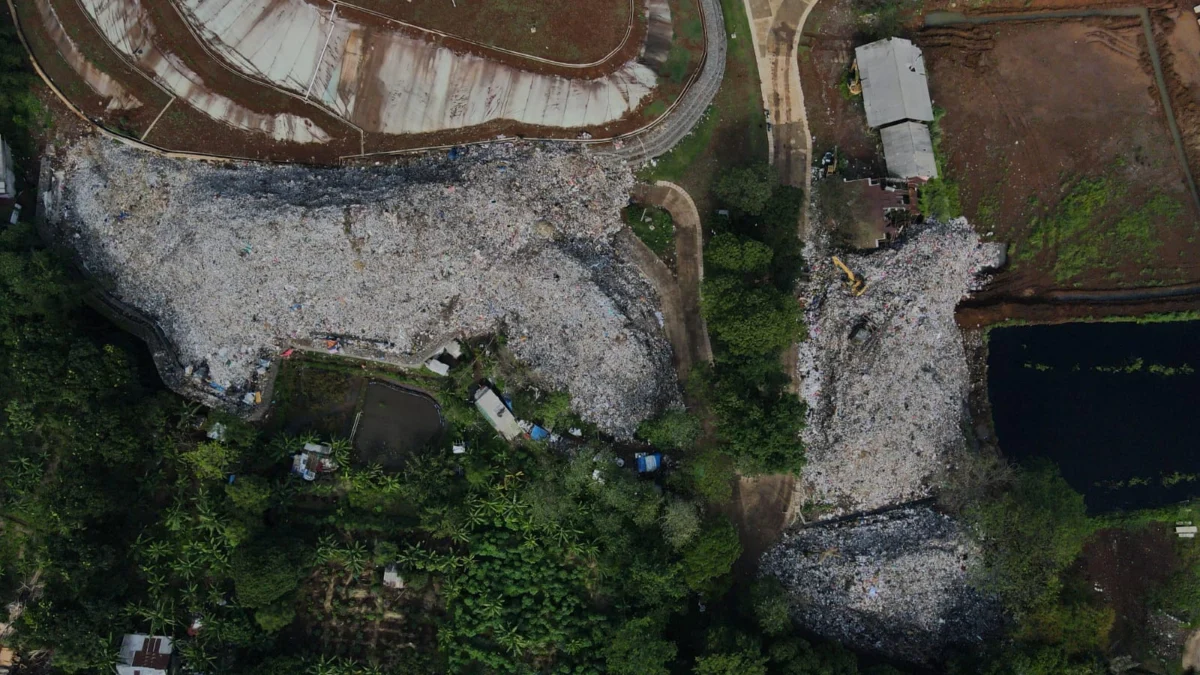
396	421
1115	405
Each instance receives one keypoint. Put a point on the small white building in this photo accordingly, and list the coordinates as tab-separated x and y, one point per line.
145	655
496	413
392	578
438	367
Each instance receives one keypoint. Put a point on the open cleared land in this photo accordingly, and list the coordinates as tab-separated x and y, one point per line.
568	32
1056	134
836	119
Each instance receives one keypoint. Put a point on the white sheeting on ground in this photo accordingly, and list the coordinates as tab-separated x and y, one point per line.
127	27
385	81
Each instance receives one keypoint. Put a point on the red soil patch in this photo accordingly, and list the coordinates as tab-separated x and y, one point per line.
624	51
570	32
1031	108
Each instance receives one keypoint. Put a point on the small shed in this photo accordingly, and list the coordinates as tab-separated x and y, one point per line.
314	459
496	413
908	151
894	83
438	367
392	578
648	462
145	655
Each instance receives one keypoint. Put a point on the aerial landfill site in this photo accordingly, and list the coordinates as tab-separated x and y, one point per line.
239	262
885	374
885	378
894	582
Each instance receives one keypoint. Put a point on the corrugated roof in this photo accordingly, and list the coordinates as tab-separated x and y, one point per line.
893	82
908	150
496	413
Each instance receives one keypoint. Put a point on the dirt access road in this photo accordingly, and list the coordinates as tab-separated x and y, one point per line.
775	29
764	506
683	321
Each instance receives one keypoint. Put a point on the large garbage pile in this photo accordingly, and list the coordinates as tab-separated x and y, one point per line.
895	583
884	373
240	261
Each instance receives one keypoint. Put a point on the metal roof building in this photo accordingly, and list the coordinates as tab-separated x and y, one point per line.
893	82
908	151
496	413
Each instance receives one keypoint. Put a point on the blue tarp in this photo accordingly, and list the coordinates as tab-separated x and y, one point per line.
538	433
648	463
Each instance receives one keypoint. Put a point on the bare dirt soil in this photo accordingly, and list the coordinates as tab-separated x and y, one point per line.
1055	133
184	128
761	509
562	31
835	119
1122	567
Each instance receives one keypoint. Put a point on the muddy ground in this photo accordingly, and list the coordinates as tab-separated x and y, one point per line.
1122	568
1023	153
835	119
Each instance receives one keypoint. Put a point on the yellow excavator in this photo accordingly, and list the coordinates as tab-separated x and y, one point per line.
854	283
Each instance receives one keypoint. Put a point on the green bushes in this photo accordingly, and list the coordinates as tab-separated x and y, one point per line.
653	226
751	267
1033	532
939	197
673	429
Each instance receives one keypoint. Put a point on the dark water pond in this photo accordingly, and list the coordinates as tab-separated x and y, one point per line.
1115	405
395	422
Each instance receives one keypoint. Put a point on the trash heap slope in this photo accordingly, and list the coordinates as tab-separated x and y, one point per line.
894	583
239	261
884	374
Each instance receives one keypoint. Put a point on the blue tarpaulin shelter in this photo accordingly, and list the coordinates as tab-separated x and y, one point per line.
538	433
648	463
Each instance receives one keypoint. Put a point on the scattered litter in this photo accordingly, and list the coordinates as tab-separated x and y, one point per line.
885	374
895	583
217	431
361	254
